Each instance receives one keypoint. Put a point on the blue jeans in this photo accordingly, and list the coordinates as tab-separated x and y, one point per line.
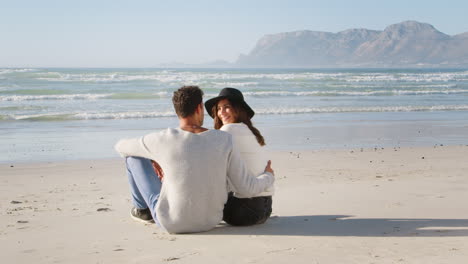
145	185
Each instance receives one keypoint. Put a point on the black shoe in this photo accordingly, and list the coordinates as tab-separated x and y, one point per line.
142	215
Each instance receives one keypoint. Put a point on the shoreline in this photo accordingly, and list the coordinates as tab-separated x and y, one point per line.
271	151
386	205
94	139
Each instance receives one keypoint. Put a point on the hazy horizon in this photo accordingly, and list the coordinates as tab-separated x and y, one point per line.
145	34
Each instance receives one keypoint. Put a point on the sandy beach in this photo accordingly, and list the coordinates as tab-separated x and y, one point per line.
370	205
362	109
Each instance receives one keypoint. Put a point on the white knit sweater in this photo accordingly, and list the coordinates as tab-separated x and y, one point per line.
254	155
197	170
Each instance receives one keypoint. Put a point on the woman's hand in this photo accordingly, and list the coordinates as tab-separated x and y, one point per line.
268	168
159	171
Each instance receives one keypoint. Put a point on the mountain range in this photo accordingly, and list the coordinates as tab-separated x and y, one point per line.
406	44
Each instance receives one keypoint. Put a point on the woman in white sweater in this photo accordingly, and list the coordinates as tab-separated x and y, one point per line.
233	115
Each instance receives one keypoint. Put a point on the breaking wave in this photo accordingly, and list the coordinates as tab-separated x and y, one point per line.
265	111
303	110
238	78
54	97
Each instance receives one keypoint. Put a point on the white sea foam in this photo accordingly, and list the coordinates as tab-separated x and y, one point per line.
409	77
11	70
265	111
395	85
348	93
304	110
234	84
54	97
40	117
163	94
88	77
242	79
88	116
184	77
119	77
361	77
348	77
124	115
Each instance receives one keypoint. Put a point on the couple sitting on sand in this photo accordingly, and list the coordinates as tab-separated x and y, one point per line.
187	179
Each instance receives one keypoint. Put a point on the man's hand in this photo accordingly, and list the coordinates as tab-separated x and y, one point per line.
268	168
159	171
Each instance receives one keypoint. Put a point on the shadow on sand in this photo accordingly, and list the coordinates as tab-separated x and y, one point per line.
345	225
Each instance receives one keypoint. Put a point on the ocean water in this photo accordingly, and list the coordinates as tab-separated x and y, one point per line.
57	114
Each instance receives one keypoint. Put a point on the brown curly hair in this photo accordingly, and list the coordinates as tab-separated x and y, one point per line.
186	99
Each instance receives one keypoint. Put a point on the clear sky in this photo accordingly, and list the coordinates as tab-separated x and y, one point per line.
145	33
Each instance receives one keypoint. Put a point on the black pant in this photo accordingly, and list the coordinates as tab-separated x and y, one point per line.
247	211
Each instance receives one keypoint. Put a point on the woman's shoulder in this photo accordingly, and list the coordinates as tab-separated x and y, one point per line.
236	128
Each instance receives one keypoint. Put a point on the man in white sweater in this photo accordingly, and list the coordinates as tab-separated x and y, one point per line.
196	165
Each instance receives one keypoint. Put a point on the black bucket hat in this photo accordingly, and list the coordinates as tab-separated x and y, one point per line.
232	95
